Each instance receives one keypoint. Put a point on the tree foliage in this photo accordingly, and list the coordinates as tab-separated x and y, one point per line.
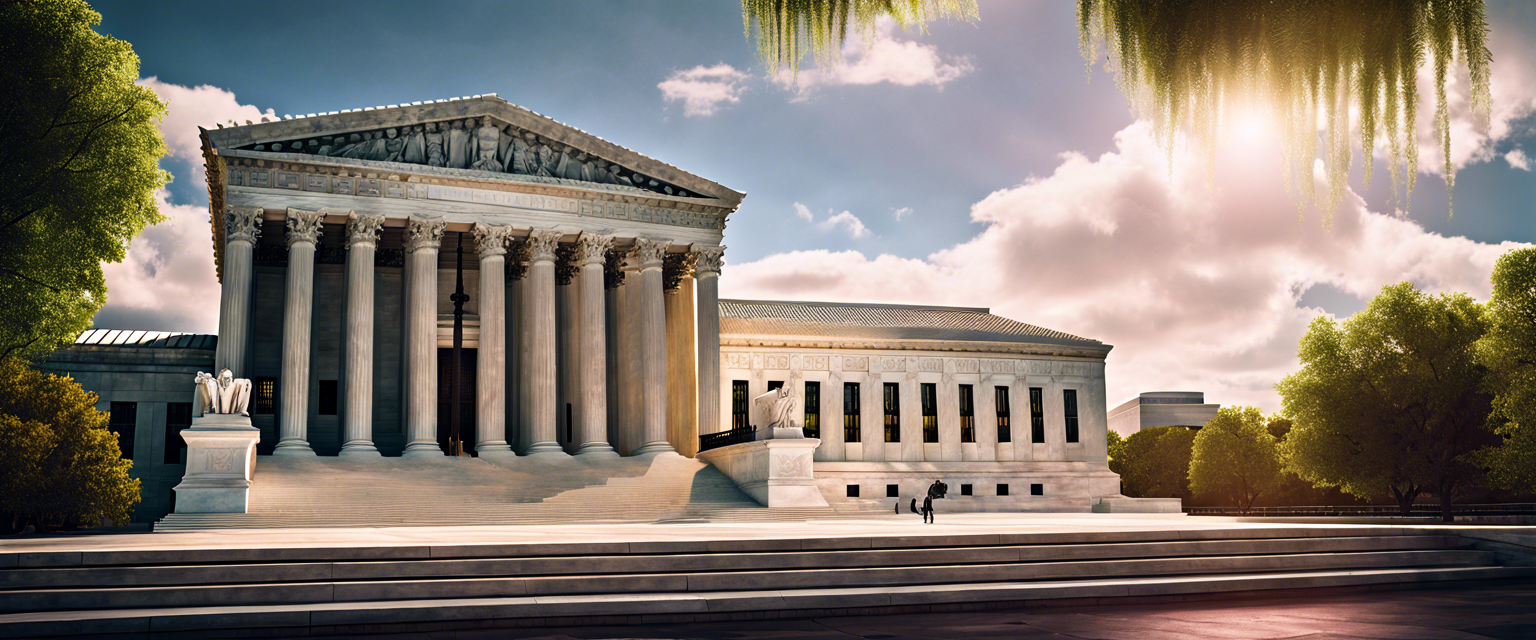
59	465
1114	447
1186	64
79	147
1234	458
1156	462
1509	351
1391	400
786	29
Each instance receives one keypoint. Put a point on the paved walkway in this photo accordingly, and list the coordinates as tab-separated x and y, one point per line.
1501	611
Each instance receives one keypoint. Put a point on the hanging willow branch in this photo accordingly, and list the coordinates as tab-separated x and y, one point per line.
1309	64
786	29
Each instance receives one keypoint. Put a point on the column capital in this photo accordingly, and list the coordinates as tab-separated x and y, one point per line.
304	226
592	248
517	259
566	265
242	224
707	260
491	239
363	228
424	233
541	245
676	267
613	269
651	252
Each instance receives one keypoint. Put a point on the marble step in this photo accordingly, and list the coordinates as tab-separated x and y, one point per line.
333	617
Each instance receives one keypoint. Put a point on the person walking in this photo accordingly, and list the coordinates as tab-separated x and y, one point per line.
935	491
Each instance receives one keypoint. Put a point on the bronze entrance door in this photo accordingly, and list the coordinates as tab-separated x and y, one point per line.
466	401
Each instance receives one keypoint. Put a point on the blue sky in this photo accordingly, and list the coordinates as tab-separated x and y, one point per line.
986	139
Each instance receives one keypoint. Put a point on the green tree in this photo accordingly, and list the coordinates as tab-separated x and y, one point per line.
79	147
59	465
1390	402
1234	458
1509	351
1156	462
1114	446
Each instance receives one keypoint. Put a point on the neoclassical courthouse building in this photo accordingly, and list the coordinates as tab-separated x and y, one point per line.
580	281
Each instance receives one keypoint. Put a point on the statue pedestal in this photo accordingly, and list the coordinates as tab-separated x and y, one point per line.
776	473
221	455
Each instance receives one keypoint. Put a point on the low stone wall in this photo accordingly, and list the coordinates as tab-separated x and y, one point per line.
1065	487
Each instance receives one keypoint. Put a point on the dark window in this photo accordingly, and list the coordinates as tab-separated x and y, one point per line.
967	414
1004	416
851	431
812	409
853	491
965	489
1002	489
1037	489
929	393
892	412
738	404
266	395
178	416
327	397
123	421
892	491
1036	415
1069	407
775	385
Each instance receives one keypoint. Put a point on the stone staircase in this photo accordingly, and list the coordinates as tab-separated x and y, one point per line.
326	590
288	492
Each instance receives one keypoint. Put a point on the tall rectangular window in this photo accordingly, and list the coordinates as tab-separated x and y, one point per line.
1069	407
929	393
892	412
1037	415
265	401
123	420
851	429
812	409
1004	415
328	393
967	414
739	416
178	416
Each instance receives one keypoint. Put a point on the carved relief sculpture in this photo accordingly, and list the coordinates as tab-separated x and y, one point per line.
484	146
435	155
225	394
458	146
415	151
519	155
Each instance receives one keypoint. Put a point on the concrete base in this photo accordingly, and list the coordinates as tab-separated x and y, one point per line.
1121	504
776	473
221	455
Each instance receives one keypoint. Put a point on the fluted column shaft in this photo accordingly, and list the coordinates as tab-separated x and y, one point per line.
653	347
542	368
491	360
362	240
592	253
241	227
298	309
423	238
707	262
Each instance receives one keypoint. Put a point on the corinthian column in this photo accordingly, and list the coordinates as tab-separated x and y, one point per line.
541	348
241	227
706	274
298	306
362	239
423	237
682	405
592	255
653	350
491	360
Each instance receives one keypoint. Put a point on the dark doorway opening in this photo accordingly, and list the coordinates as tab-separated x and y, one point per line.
445	400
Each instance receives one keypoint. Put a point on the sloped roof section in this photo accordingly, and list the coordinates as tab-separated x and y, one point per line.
882	322
146	339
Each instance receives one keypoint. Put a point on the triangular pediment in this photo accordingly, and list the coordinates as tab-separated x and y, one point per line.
479	137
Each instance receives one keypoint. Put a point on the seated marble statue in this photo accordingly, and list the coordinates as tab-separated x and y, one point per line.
226	394
778	409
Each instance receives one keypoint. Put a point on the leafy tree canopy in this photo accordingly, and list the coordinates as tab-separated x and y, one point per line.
1189	64
79	147
787	29
1234	457
1114	446
1156	462
1509	351
1391	400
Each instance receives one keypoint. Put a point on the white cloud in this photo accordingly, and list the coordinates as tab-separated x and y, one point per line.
1512	85
804	212
902	213
880	59
1517	159
848	222
1195	282
203	106
704	89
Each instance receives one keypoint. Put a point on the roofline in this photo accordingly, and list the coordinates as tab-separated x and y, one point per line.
860	304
